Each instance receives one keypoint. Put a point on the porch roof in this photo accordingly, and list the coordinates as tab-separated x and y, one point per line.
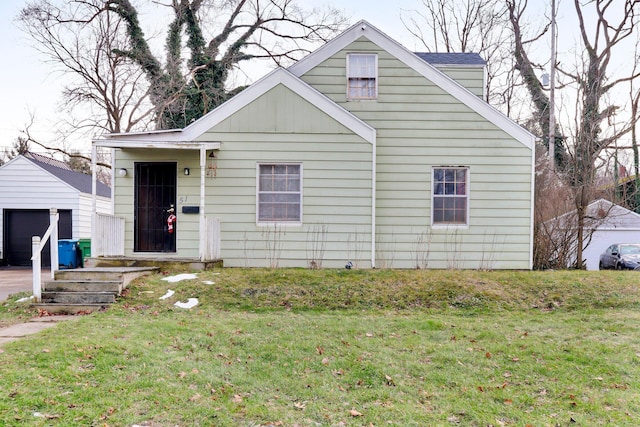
153	140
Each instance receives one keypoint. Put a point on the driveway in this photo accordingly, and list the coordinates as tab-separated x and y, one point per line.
18	279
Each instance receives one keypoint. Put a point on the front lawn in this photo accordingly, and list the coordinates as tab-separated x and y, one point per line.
340	348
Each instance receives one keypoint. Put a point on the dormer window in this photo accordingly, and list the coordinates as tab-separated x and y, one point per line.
362	76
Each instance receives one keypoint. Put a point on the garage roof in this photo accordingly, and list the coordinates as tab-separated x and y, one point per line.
62	171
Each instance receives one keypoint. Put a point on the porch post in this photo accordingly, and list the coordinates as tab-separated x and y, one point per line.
203	170
53	241
94	176
36	266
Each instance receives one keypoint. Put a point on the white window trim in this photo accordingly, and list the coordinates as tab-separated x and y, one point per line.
376	77
468	188
279	223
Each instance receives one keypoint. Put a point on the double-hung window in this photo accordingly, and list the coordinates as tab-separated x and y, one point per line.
280	193
450	196
362	76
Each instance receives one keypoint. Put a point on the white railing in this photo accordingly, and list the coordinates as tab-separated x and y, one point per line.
37	245
212	238
109	236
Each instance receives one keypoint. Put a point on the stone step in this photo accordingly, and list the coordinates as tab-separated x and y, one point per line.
113	286
78	297
70	308
123	274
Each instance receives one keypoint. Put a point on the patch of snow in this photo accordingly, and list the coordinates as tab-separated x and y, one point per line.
169	294
179	277
191	302
25	299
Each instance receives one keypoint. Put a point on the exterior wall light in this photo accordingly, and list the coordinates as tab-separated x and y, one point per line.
122	172
187	171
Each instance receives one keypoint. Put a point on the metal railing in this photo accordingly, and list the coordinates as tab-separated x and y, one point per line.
37	245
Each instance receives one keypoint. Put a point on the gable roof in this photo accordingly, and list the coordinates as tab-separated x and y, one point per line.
185	138
365	30
601	214
62	171
452	58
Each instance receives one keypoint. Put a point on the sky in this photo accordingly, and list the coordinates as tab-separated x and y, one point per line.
30	86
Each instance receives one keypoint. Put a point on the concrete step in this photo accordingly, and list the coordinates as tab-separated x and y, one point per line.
164	263
114	286
78	297
70	308
122	274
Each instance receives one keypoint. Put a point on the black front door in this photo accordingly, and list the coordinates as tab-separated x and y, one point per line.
155	193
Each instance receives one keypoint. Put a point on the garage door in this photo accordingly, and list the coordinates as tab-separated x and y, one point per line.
22	224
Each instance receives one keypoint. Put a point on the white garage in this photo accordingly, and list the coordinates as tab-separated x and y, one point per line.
616	225
32	184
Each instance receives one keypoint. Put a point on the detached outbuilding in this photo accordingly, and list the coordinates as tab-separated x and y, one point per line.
32	184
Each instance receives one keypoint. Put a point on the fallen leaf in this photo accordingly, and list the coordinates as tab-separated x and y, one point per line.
299	405
320	350
237	398
325	361
390	381
487	355
355	413
195	397
368	335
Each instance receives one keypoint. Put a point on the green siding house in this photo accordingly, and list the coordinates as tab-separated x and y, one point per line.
362	153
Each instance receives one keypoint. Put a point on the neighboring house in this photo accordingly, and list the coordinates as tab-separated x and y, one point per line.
30	185
606	224
361	152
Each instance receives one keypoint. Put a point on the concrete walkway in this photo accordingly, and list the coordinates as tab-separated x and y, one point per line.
33	326
20	279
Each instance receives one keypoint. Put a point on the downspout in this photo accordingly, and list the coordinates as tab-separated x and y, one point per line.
373	202
113	181
533	203
203	237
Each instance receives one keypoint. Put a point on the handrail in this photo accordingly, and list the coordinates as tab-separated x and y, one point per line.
37	245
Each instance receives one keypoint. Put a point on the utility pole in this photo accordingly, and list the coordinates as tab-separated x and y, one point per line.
552	89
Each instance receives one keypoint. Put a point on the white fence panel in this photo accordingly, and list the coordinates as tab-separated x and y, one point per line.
109	238
212	238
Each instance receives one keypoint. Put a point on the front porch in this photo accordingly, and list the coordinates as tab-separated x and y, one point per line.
108	248
173	264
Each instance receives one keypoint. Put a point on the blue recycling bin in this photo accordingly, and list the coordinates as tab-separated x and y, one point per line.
68	253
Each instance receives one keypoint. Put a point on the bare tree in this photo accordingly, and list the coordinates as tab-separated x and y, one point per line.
277	30
104	92
595	128
478	26
115	83
20	146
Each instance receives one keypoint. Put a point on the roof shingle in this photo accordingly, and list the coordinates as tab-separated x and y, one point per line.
79	181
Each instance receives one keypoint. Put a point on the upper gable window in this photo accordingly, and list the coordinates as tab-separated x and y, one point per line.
362	76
